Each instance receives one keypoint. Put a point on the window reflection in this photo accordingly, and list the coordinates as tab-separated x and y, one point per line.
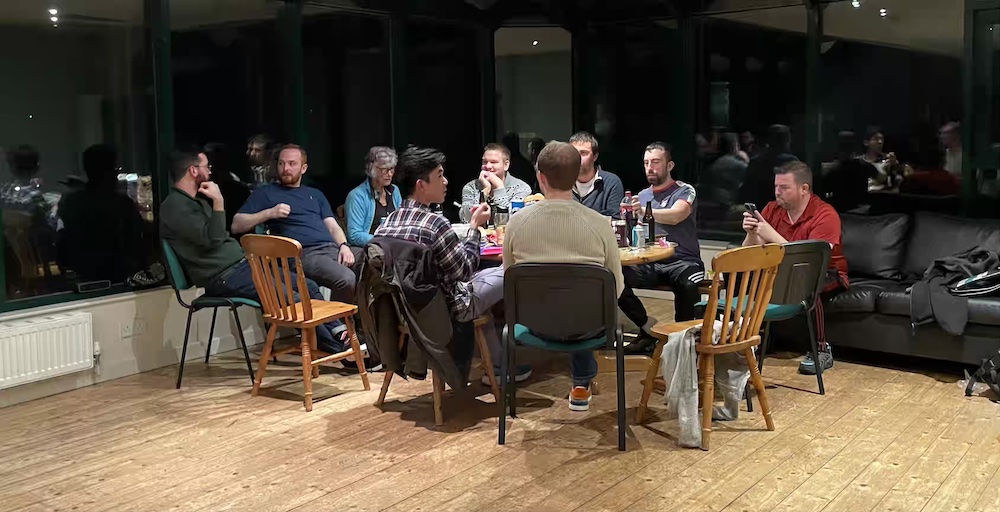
74	132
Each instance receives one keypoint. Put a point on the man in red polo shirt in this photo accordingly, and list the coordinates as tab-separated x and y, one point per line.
796	214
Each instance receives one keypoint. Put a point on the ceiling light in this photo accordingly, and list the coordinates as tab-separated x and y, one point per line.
856	4
883	12
53	11
54	19
534	43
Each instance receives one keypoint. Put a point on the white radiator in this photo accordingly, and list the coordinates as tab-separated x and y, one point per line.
42	347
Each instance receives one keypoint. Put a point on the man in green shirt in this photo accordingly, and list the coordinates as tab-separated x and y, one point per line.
193	222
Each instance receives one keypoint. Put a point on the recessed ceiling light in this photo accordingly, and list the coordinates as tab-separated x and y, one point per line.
53	11
883	12
534	43
856	4
54	19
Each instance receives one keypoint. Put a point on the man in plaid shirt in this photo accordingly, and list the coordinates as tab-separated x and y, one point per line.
470	294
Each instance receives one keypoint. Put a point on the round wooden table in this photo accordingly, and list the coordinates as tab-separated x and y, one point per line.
649	254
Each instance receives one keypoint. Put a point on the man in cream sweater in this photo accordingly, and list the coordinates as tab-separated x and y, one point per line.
583	236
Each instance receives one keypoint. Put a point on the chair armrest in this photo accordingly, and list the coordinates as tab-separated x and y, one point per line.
667	328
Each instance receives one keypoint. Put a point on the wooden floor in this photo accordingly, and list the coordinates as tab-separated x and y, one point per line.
881	439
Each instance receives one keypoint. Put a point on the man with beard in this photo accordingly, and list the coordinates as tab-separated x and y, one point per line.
302	213
193	221
674	215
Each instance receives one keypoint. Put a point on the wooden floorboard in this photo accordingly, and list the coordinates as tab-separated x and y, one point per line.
879	440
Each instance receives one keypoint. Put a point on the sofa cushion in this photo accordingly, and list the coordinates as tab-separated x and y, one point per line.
935	236
982	310
860	297
875	246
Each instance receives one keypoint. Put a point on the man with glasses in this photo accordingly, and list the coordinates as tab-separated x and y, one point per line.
302	213
372	201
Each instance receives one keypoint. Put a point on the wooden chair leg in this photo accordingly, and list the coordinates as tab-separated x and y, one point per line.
707	400
438	383
385	388
487	358
647	383
313	348
359	356
265	356
758	384
307	367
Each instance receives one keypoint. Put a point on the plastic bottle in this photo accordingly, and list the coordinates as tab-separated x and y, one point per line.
628	214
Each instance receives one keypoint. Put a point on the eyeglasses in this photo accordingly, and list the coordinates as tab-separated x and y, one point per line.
386	170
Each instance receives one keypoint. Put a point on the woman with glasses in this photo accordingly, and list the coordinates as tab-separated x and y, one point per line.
372	201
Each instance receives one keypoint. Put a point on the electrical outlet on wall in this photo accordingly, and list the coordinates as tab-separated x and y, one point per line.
136	327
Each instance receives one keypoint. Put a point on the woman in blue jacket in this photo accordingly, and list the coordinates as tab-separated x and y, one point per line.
374	199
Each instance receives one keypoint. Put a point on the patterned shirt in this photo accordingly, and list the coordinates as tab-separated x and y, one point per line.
456	259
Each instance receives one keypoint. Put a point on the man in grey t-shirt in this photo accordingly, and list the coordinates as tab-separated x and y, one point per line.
675	216
499	186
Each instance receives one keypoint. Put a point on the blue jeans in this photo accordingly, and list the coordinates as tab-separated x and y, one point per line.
237	281
583	367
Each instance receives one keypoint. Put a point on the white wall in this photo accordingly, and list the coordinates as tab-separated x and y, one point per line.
159	346
535	95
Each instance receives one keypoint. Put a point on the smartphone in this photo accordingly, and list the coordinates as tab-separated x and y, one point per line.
752	208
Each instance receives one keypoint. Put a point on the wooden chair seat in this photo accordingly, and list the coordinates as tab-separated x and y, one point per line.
322	312
272	259
740	330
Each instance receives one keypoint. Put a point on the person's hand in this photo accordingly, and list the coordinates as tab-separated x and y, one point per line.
480	216
484	180
210	190
891	157
279	211
346	256
495	181
751	224
638	208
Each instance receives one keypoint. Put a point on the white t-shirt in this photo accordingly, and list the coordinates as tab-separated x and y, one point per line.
583	188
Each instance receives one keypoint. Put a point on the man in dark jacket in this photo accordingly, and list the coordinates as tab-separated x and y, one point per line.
596	188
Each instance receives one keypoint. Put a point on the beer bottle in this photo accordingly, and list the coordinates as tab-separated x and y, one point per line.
650	223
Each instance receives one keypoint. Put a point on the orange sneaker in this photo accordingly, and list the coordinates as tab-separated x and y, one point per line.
579	399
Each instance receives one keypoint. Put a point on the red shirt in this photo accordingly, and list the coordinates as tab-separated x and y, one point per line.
819	222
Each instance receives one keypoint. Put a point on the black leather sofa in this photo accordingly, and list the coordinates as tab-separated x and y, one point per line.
885	255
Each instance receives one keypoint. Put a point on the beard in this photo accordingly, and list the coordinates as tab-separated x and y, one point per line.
656	179
289	179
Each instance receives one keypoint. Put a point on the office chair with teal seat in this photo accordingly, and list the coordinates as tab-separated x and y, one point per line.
179	281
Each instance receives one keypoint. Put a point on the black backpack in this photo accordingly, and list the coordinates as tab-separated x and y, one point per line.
988	373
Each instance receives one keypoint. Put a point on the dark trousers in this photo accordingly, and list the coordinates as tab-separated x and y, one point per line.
237	281
321	263
683	276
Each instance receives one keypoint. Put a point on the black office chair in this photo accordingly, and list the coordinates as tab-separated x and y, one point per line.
797	289
563	308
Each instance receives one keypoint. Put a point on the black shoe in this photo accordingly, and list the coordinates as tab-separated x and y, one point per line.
808	366
644	344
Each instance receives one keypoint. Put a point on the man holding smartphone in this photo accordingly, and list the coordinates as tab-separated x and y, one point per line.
798	214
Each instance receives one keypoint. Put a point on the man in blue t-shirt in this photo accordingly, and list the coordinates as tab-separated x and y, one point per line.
674	215
303	214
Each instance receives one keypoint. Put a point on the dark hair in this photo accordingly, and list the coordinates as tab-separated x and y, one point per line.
305	157
99	163
779	138
585	137
667	149
560	163
536	144
181	160
729	143
872	131
494	146
799	170
846	145
416	163
262	139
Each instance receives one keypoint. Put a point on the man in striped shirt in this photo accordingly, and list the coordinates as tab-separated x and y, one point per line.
470	294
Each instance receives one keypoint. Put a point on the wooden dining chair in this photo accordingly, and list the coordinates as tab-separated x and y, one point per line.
752	270
272	260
